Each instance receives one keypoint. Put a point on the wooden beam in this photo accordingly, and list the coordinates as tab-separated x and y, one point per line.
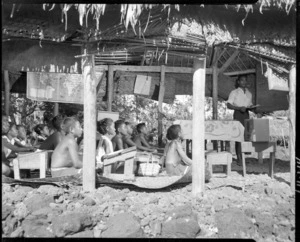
229	61
198	167
160	102
242	72
89	148
292	118
215	93
216	56
56	109
110	87
169	69
7	92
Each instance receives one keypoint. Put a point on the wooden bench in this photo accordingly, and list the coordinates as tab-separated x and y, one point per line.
259	147
223	158
35	160
110	160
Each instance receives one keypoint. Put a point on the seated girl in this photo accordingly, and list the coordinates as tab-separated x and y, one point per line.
140	139
106	129
176	161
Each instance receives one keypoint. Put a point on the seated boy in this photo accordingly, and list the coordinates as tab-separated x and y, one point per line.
65	159
128	142
53	140
117	141
140	140
6	170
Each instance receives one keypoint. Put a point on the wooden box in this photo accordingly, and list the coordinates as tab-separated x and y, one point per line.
257	130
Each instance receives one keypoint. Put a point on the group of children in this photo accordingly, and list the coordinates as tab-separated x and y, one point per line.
67	139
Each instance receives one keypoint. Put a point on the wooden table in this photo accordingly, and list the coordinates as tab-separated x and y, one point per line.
33	160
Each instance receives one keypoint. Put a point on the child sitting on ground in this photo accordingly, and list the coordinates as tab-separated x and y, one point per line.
105	146
128	142
11	146
6	169
176	161
120	132
41	134
140	139
22	136
53	140
65	158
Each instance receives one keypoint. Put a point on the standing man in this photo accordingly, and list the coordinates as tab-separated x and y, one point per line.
240	100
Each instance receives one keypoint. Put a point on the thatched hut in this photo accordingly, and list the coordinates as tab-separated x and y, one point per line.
160	40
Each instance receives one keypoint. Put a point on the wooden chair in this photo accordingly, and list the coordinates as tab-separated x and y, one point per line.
110	160
35	160
259	147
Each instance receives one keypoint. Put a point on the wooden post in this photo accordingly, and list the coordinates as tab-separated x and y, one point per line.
7	92
198	172
292	119
160	102
110	87
215	93
89	148
56	109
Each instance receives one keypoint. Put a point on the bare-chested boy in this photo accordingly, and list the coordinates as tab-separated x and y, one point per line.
65	158
140	140
117	140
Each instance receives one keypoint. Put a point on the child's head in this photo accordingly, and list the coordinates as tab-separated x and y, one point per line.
57	122
42	129
141	128
72	125
105	126
5	124
129	128
13	132
120	127
21	132
174	132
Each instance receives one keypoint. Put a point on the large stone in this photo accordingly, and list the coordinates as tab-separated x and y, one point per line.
233	223
83	234
19	232
180	228
264	222
6	210
155	227
123	225
37	202
19	194
51	190
37	228
88	201
20	211
181	212
70	223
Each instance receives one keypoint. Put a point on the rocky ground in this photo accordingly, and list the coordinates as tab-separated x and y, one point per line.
232	207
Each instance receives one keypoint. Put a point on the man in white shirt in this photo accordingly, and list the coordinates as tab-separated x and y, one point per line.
240	100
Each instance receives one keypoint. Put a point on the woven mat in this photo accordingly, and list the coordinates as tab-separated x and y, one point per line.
76	180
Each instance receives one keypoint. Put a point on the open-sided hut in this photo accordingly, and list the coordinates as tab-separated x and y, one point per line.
175	44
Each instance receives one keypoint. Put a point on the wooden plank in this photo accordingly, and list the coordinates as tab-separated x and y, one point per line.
168	69
99	83
16	169
120	177
229	61
119	158
292	118
7	92
56	108
160	103
242	72
128	167
89	148
110	87
198	166
215	93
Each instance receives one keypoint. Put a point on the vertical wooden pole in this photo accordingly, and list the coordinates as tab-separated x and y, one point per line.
56	109
160	102
292	119
7	92
110	87
215	93
89	148
198	173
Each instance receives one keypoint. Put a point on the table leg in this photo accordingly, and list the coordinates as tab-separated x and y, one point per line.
16	169
228	168
243	163
271	164
260	158
43	167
